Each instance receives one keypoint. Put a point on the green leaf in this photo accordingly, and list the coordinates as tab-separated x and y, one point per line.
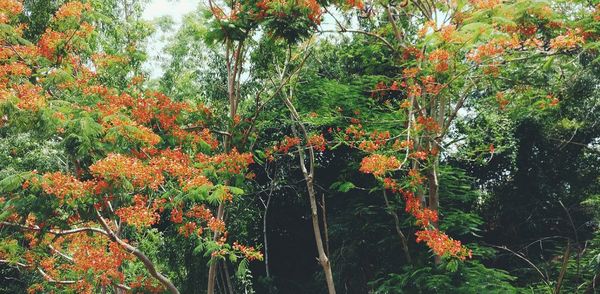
345	187
452	265
548	64
199	248
13	182
242	268
235	190
5	214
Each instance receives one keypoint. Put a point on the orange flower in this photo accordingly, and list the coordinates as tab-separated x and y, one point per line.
139	214
378	164
248	251
317	142
62	186
429	123
439	58
485	4
501	100
442	245
116	167
568	41
216	225
286	144
30	97
130	130
486	51
8	9
195	182
176	216
72	9
188	229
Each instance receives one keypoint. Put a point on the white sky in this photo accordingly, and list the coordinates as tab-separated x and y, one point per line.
176	9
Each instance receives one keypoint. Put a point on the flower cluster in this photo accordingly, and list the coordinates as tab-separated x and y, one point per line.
431	86
96	254
196	182
216	225
378	165
72	9
448	33
117	167
190	228
146	285
356	3
176	215
487	51
139	214
428	123
31	97
317	142
195	214
354	132
502	101
414	90
131	131
9	8
570	40
51	41
439	58
230	163
376	140
248	251
155	105
174	163
439	242
485	4
286	144
443	245
415	177
62	186
280	9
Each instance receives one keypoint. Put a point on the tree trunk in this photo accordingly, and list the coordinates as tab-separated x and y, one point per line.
401	236
323	259
434	200
265	239
233	71
212	270
228	278
309	178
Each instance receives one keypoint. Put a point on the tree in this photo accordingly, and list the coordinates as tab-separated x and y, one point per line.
129	165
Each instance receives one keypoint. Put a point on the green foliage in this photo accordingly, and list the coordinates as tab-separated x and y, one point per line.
470	277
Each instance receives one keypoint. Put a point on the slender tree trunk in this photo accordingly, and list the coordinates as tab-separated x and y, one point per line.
563	269
401	235
227	278
323	259
325	228
265	239
212	270
309	178
234	67
434	200
148	264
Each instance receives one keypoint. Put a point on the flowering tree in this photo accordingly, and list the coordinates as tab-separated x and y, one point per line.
130	165
448	53
234	24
